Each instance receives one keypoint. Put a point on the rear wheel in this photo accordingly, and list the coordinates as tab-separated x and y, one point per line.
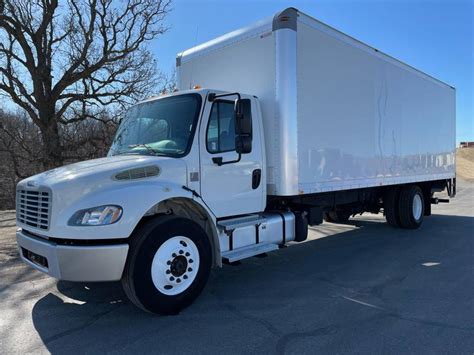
411	207
168	265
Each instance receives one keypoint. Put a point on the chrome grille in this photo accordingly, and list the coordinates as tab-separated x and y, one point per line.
33	208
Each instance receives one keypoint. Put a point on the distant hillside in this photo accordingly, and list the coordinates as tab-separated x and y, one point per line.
465	163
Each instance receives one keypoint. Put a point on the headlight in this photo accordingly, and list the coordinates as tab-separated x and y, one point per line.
96	216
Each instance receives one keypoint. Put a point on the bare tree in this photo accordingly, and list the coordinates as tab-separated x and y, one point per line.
19	142
21	146
63	62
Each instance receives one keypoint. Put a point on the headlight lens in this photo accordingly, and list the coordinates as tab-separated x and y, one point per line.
96	216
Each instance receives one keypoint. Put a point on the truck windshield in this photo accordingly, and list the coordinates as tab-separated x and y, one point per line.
162	127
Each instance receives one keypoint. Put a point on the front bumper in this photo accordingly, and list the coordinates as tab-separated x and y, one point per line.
73	263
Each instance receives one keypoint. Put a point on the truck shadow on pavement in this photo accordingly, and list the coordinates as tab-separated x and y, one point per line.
324	287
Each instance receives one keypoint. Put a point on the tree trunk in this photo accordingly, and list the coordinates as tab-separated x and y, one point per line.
52	150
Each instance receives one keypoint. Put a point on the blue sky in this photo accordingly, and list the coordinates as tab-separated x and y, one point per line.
434	36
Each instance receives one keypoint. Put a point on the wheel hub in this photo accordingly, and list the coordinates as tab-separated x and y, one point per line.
417	208
178	266
175	265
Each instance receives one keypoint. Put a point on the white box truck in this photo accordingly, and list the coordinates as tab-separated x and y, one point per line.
295	122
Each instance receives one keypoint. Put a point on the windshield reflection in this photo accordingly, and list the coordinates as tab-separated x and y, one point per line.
163	127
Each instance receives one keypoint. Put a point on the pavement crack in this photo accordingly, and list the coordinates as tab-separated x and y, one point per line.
234	310
330	329
83	326
284	340
395	314
362	303
267	325
430	322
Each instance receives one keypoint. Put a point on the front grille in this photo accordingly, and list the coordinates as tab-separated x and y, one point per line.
33	208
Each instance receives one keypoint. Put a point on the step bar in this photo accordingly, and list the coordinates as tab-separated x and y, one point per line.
248	251
231	224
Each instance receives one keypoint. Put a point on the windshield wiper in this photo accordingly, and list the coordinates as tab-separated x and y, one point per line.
123	152
147	147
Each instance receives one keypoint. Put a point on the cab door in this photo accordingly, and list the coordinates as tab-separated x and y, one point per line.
230	186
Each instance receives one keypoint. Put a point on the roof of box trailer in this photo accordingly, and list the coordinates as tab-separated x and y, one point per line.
387	56
226	40
267	25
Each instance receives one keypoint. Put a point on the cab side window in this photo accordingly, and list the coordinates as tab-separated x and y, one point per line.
221	128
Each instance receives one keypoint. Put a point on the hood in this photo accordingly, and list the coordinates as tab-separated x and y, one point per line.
106	167
96	182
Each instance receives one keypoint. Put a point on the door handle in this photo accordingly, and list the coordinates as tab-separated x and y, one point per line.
256	177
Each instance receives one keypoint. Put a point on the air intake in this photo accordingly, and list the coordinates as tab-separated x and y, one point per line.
138	173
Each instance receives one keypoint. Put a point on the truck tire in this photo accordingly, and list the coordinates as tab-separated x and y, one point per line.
391	201
168	265
411	207
337	216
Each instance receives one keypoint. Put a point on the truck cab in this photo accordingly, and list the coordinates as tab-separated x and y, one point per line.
201	129
190	158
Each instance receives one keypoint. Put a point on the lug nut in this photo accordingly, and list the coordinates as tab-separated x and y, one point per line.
171	278
168	262
191	261
173	255
178	280
185	277
187	254
168	271
181	252
190	269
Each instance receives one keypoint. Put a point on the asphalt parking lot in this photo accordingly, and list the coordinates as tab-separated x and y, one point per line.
363	287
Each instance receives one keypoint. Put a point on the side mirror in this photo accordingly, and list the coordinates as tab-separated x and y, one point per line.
243	144
243	117
243	126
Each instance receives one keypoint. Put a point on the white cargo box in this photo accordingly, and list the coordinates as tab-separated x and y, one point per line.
338	114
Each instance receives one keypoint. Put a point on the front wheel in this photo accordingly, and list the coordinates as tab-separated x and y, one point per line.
168	265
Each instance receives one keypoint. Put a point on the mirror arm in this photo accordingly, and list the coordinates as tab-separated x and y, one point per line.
212	96
220	162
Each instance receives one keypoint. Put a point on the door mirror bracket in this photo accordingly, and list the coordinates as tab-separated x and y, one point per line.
219	160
